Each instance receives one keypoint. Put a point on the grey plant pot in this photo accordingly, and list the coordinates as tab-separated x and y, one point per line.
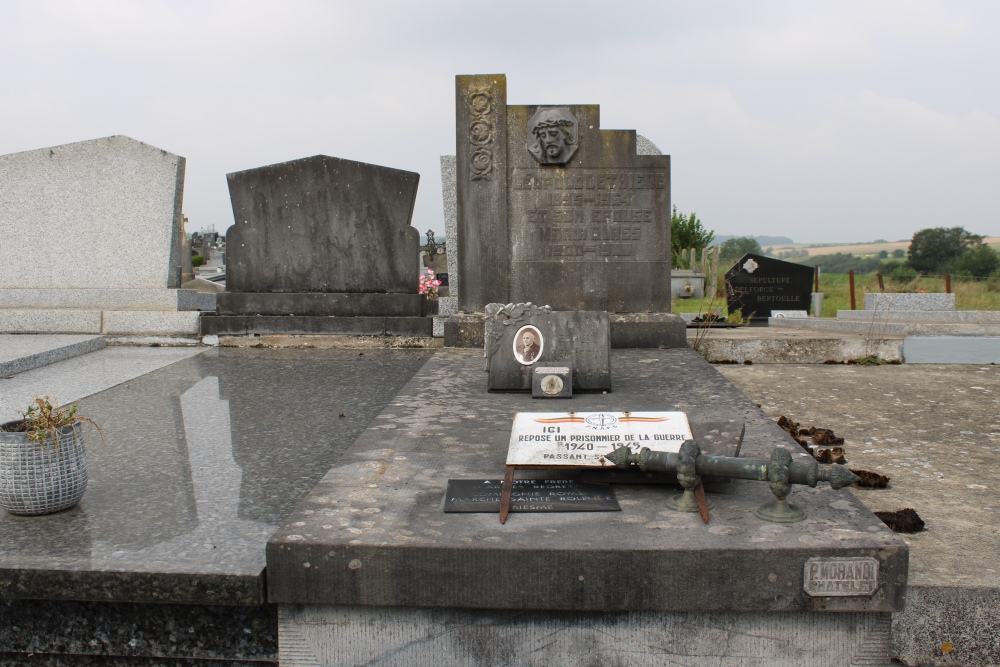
41	479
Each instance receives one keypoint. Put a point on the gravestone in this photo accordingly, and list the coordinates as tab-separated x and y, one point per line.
756	285
520	336
94	240
554	210
321	245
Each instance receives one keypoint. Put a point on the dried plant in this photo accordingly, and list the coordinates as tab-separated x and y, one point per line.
44	419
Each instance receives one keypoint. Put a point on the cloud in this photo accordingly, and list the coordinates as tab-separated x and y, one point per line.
820	121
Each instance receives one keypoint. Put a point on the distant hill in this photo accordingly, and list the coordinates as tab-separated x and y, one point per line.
762	240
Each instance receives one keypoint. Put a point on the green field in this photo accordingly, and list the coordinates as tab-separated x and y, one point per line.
969	294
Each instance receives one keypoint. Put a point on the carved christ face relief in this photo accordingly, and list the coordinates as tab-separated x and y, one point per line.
552	135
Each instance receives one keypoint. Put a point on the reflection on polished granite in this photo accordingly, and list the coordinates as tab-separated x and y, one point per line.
203	459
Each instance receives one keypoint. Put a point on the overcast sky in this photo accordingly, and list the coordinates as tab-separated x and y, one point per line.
821	121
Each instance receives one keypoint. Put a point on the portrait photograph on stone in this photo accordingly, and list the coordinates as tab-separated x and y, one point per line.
528	345
402	350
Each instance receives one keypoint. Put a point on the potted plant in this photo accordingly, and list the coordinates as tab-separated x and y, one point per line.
43	465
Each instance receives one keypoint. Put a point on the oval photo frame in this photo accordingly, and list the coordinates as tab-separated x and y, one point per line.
528	353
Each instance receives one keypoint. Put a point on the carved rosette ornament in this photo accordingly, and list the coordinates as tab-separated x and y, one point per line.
481	135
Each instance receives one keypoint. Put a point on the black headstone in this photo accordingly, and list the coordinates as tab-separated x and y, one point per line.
756	285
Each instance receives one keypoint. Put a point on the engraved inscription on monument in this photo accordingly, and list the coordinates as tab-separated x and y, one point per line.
589	214
841	576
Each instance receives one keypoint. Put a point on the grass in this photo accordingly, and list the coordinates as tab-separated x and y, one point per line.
969	294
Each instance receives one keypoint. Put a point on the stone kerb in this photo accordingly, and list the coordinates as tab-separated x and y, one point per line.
111	206
915	301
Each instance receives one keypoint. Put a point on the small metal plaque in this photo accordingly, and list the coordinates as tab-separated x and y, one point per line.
827	577
582	439
551	382
797	314
530	495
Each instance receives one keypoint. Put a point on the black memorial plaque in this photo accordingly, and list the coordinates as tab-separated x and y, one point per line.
756	285
530	495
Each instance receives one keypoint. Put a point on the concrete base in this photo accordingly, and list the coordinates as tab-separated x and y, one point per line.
320	304
111	322
100	299
894	327
727	346
628	330
926	316
244	325
400	637
951	350
22	353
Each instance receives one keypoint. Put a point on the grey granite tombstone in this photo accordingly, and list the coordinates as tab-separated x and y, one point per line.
521	335
756	285
93	240
551	209
321	245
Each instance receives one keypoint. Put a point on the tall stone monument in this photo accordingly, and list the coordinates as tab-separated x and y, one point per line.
555	211
321	245
92	236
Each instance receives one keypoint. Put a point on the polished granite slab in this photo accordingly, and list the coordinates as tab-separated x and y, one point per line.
72	379
202	459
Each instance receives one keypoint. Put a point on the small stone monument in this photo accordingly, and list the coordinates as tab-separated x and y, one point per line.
520	336
321	245
554	210
756	285
93	240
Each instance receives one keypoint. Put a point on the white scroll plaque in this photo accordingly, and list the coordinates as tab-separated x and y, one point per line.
582	439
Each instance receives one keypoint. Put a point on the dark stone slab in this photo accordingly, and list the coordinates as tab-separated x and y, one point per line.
579	340
628	330
244	325
198	469
465	330
35	632
581	223
372	531
757	285
322	224
319	303
647	330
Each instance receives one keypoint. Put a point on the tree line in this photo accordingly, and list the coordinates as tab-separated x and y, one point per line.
933	251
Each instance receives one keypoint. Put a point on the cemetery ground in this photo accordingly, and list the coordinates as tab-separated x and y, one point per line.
935	431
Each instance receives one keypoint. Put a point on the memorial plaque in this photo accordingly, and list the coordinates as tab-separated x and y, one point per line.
530	495
582	439
554	210
757	285
841	576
